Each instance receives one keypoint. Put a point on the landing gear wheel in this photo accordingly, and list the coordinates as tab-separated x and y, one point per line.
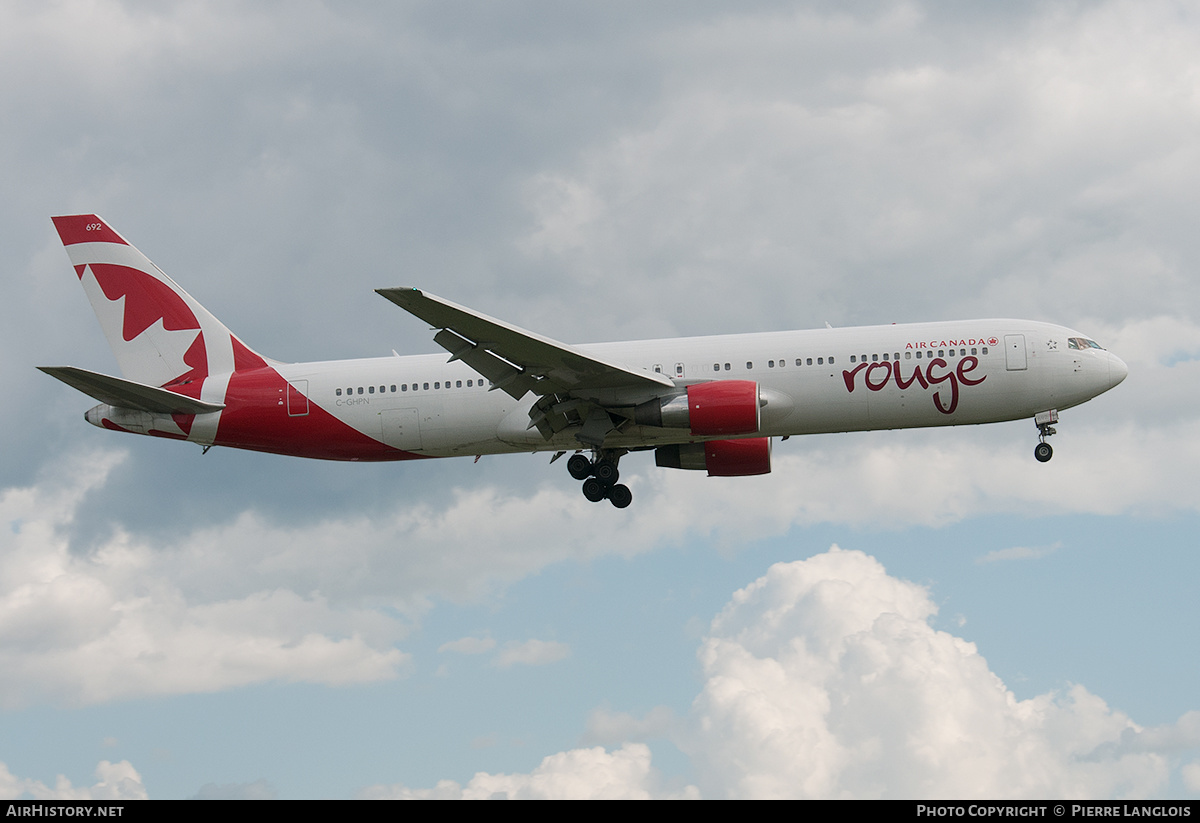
620	496
594	490
579	467
1045	425
605	471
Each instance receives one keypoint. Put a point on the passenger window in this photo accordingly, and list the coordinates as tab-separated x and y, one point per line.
831	361
852	358
370	389
941	353
809	361
426	386
874	358
820	361
458	384
749	364
338	392
798	363
726	367
885	356
360	391
985	349
908	355
770	364
716	366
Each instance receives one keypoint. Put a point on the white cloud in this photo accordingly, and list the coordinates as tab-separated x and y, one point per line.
114	781
1036	170
824	679
1191	776
531	653
593	774
111	48
115	623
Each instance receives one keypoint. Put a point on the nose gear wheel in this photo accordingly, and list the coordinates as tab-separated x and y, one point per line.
1044	421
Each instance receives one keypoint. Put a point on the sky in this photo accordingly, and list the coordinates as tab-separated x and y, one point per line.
924	614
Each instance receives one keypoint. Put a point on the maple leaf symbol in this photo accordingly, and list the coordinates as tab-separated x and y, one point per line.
156	356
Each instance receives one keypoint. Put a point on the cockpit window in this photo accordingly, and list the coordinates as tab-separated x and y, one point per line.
1083	343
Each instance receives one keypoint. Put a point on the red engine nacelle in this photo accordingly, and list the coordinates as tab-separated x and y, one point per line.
720	458
737	458
722	407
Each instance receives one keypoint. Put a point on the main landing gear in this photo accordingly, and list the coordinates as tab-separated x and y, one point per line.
1042	452
600	476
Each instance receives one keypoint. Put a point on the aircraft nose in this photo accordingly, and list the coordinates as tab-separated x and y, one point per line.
1117	370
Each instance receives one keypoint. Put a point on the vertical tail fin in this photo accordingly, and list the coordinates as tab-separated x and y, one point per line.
160	335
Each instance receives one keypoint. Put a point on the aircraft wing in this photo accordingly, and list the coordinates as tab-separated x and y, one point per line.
515	360
127	394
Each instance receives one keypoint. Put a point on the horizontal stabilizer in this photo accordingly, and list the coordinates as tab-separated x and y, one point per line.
127	394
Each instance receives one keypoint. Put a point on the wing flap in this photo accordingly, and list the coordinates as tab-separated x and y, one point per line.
127	394
514	359
504	375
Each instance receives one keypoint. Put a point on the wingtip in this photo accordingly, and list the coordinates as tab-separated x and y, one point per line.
397	290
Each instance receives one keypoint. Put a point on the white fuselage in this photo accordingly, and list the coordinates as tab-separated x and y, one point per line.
821	380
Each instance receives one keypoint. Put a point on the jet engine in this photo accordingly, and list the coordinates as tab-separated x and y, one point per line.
721	407
721	458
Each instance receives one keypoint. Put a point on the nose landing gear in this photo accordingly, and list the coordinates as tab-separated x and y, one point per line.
600	476
1042	452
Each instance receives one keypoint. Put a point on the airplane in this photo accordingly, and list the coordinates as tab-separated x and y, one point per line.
701	403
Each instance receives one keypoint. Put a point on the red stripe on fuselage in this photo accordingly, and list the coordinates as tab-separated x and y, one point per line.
256	418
